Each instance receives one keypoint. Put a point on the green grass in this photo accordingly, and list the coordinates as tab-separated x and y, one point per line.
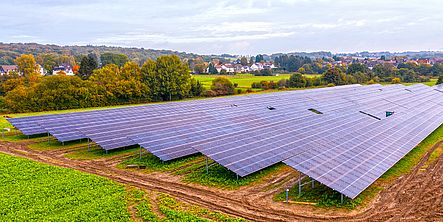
97	152
221	177
243	80
194	171
32	191
153	163
172	210
177	211
323	196
41	143
431	82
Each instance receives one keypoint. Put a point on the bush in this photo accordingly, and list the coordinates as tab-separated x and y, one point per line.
396	80
222	86
440	80
297	80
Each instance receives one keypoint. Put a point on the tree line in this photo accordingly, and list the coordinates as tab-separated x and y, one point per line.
166	78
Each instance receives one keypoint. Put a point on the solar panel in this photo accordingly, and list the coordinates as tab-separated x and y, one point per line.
347	144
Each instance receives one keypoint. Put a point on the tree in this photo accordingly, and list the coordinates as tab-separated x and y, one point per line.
407	75
167	78
222	86
196	88
357	67
113	58
297	80
259	58
131	70
26	64
243	61
87	66
212	69
440	80
200	68
47	60
251	60
335	76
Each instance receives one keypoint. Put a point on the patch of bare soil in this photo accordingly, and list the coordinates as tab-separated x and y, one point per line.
414	197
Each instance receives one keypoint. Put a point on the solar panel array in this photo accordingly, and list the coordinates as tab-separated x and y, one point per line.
340	136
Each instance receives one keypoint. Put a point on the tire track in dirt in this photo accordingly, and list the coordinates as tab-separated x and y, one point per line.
254	204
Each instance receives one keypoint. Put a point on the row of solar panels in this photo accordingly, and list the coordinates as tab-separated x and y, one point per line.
243	135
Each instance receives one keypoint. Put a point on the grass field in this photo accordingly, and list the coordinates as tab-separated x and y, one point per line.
243	80
32	191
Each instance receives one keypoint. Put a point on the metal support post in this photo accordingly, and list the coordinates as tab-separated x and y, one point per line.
89	145
207	168
299	185
342	198
313	183
287	195
237	176
63	143
106	151
140	152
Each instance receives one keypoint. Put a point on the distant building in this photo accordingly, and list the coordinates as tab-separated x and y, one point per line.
64	68
6	69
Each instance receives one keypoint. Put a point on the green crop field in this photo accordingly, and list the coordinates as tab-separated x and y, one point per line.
39	192
32	191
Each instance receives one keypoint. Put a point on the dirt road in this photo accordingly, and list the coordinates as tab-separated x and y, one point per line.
417	196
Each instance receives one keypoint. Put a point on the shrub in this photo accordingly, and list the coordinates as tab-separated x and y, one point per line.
222	86
396	80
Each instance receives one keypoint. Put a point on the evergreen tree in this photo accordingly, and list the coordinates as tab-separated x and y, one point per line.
440	80
212	69
87	66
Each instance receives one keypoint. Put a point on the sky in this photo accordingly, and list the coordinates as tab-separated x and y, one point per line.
242	27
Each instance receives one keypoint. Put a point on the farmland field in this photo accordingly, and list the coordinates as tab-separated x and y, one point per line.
35	191
32	191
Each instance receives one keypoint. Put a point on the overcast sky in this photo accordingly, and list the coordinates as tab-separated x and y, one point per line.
236	27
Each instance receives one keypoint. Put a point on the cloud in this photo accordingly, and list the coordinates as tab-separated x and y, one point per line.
228	26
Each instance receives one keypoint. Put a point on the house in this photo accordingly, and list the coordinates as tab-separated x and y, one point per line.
41	70
245	69
423	61
257	66
63	68
229	68
6	69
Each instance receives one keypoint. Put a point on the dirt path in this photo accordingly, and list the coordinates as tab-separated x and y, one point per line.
416	196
